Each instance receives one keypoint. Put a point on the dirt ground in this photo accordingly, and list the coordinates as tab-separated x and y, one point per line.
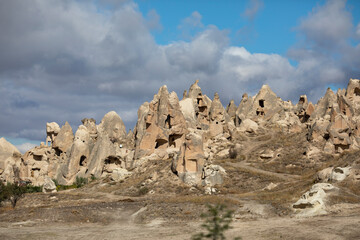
326	227
79	215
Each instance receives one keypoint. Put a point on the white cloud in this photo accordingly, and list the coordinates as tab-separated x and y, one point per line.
328	26
63	61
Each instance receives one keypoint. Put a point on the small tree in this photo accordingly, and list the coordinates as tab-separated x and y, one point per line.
12	192
217	221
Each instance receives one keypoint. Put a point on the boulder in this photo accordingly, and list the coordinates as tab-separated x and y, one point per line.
119	174
248	126
49	185
312	202
213	175
339	174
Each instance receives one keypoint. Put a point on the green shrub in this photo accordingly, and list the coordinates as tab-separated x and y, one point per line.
143	191
65	187
33	189
93	178
80	181
217	221
55	181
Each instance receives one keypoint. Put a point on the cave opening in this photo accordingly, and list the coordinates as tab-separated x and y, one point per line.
357	91
83	161
168	122
173	139
262	103
160	143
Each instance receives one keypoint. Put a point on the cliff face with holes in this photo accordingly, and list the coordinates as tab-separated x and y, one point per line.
189	133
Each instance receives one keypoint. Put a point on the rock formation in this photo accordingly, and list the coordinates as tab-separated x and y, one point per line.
189	133
9	161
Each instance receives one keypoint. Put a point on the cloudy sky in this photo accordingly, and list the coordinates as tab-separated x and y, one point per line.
66	60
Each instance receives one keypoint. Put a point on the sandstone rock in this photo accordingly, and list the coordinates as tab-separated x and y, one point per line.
267	154
161	124
52	130
223	154
231	111
49	185
64	139
218	117
325	174
339	174
79	154
119	174
324	105
353	88
113	126
9	161
90	124
213	175
271	186
248	126
35	165
313	201
188	110
191	133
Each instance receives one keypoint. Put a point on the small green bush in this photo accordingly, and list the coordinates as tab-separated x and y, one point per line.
217	221
80	181
33	189
93	178
143	191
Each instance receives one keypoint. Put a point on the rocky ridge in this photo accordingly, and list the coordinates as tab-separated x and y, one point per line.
191	134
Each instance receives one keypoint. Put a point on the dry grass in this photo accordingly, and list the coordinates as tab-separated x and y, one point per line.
200	199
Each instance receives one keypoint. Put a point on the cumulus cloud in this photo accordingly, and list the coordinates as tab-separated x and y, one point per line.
325	55
66	60
328	26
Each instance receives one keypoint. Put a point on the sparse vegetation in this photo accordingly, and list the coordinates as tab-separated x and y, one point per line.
12	192
217	221
80	181
143	191
233	153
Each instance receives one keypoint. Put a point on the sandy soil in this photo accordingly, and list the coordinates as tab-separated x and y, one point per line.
93	216
327	227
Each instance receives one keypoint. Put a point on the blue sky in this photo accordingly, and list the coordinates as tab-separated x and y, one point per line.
67	60
272	29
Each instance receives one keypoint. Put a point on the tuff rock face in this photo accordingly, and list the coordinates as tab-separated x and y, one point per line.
189	133
9	161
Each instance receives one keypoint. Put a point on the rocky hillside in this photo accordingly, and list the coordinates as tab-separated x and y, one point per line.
264	143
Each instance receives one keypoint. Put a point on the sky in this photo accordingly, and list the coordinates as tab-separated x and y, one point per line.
67	60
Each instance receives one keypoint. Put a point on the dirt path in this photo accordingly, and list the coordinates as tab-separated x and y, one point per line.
282	176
